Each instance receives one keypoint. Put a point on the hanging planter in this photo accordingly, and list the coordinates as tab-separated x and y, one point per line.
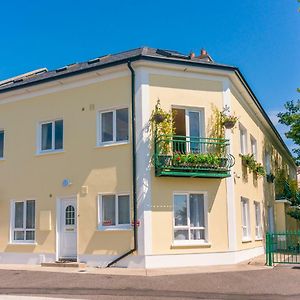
158	118
228	121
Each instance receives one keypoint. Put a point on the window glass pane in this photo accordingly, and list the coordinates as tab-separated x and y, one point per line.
122	124
46	136
180	210
123	209
70	215
197	234
30	235
107	127
108	210
30	214
194	123
181	234
59	131
19	214
197	210
19	235
1	144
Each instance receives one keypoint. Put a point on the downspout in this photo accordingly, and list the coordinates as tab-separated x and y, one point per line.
134	196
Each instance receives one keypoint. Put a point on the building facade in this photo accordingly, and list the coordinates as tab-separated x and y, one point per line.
81	177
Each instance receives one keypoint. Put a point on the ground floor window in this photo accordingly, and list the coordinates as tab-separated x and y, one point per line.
190	217
246	234
23	221
258	227
114	210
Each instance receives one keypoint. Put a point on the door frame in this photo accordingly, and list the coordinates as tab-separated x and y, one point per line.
59	225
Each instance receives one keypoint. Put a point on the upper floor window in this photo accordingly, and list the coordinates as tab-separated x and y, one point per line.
113	126
243	139
1	144
23	221
51	136
190	217
268	162
253	147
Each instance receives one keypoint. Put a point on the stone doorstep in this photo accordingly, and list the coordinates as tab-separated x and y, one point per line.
64	264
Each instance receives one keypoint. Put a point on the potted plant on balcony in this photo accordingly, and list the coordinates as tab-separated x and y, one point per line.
253	166
162	126
228	120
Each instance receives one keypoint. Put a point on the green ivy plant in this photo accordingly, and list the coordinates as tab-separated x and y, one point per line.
253	166
162	126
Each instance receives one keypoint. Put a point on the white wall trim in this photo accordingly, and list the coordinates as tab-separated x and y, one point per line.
230	192
58	86
143	161
203	259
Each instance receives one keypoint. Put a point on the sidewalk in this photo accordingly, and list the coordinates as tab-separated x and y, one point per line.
250	265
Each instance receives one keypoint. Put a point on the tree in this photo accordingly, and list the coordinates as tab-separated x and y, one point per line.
291	118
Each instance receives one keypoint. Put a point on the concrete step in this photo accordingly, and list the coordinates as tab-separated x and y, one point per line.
64	264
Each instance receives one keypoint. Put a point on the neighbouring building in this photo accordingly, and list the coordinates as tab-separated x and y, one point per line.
83	177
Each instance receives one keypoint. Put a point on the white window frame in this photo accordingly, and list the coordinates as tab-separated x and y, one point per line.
204	241
258	224
40	151
99	127
2	130
253	143
243	139
246	238
12	223
117	226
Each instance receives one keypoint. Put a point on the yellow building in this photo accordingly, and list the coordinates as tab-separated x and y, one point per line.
83	177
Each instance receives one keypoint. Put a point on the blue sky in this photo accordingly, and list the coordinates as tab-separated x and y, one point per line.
262	38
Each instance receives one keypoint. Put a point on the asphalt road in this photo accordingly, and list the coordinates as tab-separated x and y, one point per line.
277	283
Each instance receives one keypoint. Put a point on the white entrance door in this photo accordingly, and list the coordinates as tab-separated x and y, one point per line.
68	229
271	224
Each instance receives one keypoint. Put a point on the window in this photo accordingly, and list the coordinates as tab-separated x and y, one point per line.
23	221
258	229
268	162
243	139
253	147
114	211
190	217
51	136
70	215
245	219
1	144
113	126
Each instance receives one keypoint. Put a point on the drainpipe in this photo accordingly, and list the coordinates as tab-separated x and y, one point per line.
134	196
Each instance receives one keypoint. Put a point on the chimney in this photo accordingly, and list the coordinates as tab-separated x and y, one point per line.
203	53
192	55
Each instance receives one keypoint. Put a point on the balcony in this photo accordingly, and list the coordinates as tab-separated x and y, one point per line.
185	156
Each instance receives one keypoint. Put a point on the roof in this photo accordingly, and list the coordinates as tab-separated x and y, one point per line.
145	53
43	75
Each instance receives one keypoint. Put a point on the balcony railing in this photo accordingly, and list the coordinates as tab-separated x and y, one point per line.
187	156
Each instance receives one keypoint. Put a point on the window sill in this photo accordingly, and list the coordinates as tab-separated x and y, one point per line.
15	243
115	228
258	239
2	159
49	152
182	244
103	145
246	240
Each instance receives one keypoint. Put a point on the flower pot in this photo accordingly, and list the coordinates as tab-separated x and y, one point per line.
223	162
229	124
270	178
158	118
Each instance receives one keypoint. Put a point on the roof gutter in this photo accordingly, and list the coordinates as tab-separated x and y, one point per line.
134	196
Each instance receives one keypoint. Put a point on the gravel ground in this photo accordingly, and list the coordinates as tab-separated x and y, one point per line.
277	283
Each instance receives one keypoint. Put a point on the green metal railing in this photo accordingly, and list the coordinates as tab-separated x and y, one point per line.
188	156
283	248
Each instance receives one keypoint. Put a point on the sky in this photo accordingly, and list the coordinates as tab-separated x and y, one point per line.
262	38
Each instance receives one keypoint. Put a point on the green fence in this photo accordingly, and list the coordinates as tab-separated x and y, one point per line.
283	248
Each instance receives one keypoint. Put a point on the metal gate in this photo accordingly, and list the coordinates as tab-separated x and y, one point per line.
283	248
